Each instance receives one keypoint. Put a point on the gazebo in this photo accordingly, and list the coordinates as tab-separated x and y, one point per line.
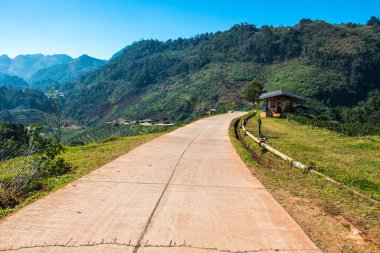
278	103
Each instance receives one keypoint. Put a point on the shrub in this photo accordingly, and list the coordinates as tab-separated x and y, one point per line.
346	128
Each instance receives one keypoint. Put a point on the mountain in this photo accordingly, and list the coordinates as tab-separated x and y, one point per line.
25	66
12	81
335	66
119	52
23	106
55	75
5	61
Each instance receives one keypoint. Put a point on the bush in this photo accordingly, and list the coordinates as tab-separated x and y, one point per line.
346	128
37	162
59	167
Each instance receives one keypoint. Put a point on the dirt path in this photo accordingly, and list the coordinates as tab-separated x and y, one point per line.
187	191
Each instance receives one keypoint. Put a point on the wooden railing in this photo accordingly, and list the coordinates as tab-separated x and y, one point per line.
293	162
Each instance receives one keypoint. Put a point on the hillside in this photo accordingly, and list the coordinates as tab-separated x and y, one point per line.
25	66
12	81
23	105
335	66
55	75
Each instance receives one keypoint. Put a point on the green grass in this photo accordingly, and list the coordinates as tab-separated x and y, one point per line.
84	159
313	188
353	161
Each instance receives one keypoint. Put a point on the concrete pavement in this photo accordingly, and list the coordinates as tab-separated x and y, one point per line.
186	191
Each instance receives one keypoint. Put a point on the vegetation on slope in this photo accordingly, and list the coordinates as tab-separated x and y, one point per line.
336	66
23	105
12	81
103	132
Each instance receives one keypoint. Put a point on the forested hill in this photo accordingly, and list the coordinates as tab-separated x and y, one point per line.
12	81
336	66
23	105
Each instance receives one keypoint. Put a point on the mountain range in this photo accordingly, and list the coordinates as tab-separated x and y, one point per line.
336	66
24	79
25	66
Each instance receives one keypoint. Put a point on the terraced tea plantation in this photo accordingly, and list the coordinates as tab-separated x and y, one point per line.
83	136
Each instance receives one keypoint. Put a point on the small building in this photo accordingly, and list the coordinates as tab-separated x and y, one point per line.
278	103
211	111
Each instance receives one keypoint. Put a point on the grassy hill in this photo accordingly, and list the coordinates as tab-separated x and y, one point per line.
335	66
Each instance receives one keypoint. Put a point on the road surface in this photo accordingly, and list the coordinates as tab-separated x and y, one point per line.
186	191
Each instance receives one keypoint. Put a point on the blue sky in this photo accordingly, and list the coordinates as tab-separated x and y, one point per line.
101	27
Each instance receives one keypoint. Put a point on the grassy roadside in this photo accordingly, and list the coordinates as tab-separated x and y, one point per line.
352	161
334	218
84	159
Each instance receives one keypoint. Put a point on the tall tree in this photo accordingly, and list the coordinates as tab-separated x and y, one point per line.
252	91
56	120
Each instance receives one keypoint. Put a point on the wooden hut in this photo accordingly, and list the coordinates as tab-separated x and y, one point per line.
278	103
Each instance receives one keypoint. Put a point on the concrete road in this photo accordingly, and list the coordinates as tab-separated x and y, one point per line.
187	191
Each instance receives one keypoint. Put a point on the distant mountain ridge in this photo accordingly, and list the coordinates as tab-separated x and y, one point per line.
44	71
25	66
24	102
56	75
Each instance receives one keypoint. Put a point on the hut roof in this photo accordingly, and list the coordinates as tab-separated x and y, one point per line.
277	93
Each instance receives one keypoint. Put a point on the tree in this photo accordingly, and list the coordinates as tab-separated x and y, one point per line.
252	91
285	103
373	21
230	105
55	120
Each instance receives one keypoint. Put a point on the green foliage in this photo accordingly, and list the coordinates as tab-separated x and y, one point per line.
16	98
373	21
13	138
252	91
334	65
30	158
24	106
12	81
348	128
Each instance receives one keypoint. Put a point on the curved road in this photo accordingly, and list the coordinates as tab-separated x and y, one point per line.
186	191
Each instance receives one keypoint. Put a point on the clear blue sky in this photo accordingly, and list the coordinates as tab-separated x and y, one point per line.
101	27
